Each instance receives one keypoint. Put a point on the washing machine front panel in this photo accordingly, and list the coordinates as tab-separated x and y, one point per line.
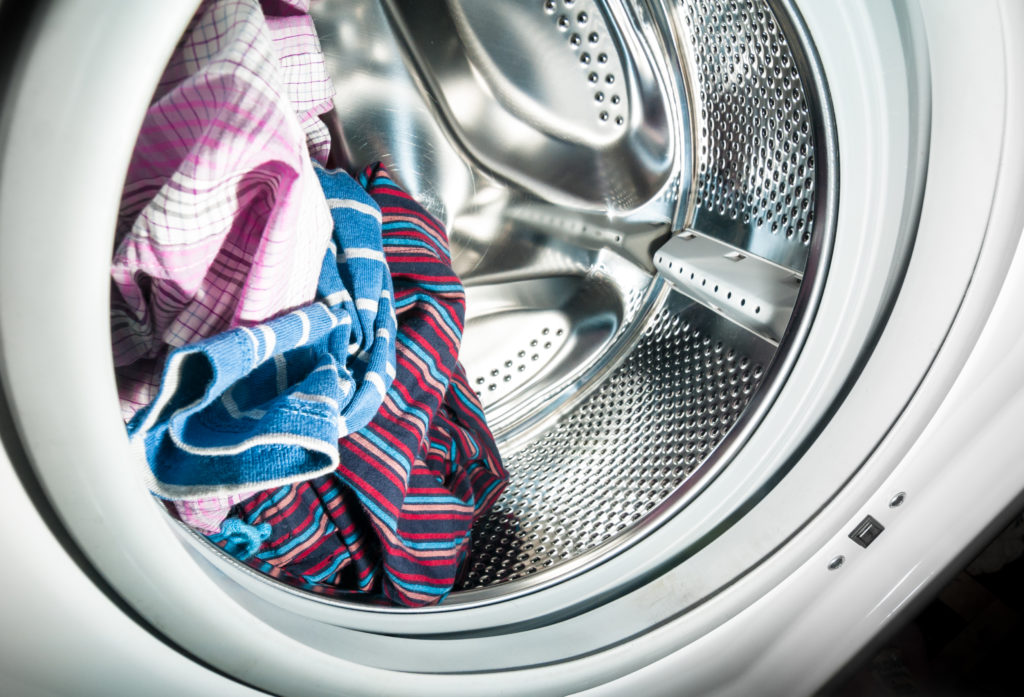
691	607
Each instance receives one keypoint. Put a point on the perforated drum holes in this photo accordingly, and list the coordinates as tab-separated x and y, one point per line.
586	28
521	363
755	143
619	454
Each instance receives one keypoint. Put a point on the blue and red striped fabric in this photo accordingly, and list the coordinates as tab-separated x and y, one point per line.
393	521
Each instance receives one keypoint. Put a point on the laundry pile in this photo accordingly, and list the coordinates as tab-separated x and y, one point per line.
286	335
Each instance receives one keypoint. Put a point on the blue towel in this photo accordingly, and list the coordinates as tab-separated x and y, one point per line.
263	406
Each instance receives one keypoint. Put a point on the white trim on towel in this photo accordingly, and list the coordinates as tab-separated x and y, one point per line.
358	206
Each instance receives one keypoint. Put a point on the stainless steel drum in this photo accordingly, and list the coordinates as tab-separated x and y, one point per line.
639	197
563	142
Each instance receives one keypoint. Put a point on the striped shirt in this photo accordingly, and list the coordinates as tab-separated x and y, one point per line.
392	523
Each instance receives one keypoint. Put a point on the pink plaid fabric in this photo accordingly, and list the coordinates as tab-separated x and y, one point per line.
207	515
309	88
223	221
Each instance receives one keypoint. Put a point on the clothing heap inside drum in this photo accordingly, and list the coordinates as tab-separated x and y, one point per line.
417	301
286	333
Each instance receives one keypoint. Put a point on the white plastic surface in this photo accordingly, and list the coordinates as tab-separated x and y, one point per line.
62	636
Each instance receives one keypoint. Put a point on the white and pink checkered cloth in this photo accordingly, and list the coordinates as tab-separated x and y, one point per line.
223	221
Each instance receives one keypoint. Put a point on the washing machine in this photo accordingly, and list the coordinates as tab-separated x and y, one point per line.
742	281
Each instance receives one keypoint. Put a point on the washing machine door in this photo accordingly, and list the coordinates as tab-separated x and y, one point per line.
881	445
